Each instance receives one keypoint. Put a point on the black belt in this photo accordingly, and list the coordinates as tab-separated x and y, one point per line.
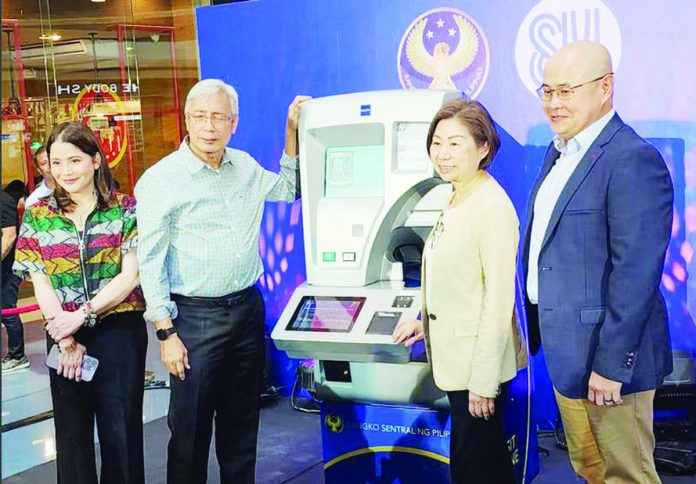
231	299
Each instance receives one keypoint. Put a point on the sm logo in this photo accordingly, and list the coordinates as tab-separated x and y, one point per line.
552	24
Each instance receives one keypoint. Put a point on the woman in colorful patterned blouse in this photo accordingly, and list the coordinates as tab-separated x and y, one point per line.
78	248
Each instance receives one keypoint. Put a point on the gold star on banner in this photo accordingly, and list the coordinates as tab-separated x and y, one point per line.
440	23
452	32
429	34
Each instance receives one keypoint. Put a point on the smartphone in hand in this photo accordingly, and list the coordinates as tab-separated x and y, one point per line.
89	363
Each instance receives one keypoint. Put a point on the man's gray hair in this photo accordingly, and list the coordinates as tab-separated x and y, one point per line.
209	87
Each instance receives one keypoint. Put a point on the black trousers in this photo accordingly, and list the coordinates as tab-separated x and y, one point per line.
478	451
224	339
13	325
114	397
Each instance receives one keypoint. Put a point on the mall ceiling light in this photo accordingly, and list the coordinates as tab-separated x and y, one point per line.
98	1
53	37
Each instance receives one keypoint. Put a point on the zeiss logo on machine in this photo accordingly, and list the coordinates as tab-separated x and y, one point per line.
552	24
365	109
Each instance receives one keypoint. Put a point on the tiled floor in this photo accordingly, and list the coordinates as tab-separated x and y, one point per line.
289	450
26	393
289	442
290	453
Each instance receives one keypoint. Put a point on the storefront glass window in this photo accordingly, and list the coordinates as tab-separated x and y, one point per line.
119	66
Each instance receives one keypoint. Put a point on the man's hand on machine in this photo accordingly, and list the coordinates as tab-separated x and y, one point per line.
294	112
408	332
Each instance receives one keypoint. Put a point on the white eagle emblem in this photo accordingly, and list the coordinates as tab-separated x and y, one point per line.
442	64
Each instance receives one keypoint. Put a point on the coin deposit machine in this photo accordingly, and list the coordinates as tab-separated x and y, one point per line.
369	200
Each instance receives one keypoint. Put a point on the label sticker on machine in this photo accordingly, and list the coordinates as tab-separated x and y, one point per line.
326	314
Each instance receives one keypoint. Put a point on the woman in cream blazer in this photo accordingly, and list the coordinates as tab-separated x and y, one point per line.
468	286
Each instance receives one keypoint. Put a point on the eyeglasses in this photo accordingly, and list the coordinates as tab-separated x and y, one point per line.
564	92
218	121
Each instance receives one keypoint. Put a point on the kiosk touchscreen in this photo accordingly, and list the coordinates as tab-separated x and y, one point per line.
329	314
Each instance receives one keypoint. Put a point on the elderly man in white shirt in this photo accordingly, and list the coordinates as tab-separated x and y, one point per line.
199	214
45	188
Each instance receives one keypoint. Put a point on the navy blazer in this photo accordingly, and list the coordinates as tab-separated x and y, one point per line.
600	306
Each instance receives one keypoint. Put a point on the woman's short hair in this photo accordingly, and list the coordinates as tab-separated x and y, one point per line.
476	119
210	87
85	140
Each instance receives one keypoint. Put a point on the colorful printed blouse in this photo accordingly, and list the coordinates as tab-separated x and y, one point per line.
49	243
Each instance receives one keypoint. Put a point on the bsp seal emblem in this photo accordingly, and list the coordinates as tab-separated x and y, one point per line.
444	48
334	422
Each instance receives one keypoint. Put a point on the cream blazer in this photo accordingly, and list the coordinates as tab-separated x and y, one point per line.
472	337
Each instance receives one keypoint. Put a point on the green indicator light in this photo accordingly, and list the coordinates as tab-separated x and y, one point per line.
328	256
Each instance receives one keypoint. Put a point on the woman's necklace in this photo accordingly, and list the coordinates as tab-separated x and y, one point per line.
83	214
454	199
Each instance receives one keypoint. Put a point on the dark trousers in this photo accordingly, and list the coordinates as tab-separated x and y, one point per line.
13	325
478	451
114	397
224	339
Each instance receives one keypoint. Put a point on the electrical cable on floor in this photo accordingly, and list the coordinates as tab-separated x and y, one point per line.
543	450
671	465
158	385
559	433
293	400
674	467
302	472
270	395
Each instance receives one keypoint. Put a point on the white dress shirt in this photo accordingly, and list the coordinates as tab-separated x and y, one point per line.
198	228
572	152
39	192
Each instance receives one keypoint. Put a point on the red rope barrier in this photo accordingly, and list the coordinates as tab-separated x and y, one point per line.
20	310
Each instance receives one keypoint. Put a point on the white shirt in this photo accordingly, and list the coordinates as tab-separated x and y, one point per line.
39	192
198	228
572	152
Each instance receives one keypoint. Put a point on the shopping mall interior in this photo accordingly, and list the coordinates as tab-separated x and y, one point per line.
124	69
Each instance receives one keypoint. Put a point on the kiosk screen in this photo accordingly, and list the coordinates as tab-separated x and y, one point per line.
354	171
326	313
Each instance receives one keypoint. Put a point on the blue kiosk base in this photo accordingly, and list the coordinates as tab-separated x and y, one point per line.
372	443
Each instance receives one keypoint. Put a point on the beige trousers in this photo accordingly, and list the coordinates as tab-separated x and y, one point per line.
612	445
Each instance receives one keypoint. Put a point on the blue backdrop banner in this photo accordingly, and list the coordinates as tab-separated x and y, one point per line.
271	50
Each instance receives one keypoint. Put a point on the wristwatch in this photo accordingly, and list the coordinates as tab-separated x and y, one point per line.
163	334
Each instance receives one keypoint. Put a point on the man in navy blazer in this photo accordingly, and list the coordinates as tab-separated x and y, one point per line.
598	225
